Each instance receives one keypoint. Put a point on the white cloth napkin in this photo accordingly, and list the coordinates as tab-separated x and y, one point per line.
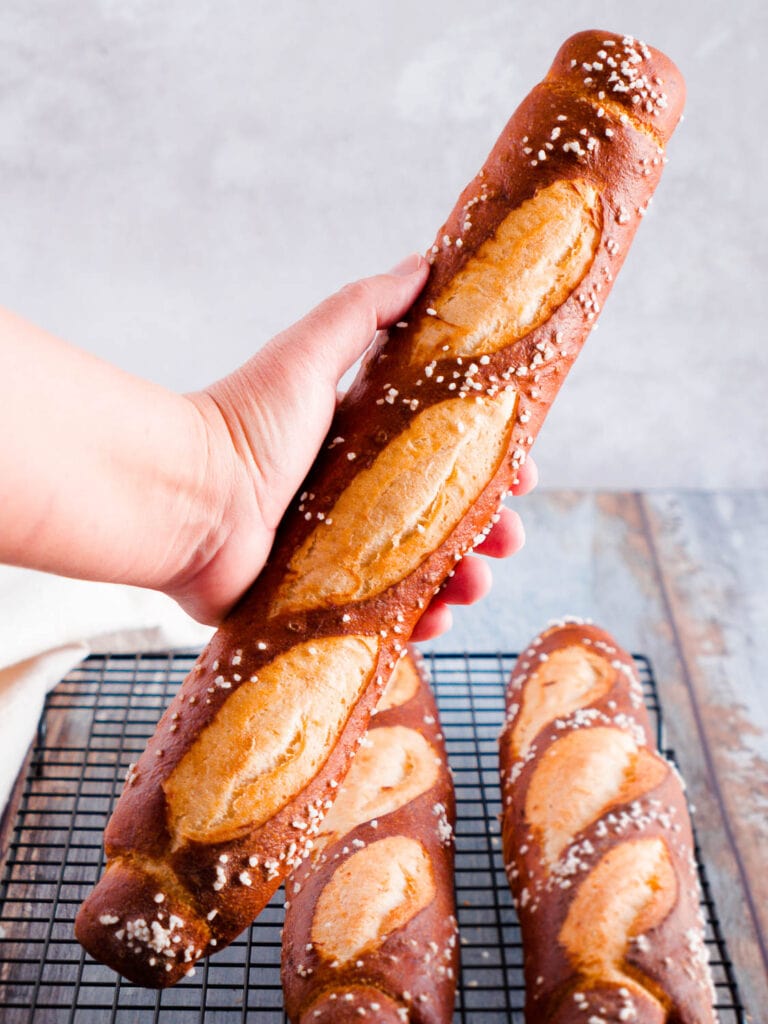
48	624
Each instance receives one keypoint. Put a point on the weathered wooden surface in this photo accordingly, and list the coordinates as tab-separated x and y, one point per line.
682	578
712	563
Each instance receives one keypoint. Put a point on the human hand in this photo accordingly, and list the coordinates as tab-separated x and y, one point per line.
263	426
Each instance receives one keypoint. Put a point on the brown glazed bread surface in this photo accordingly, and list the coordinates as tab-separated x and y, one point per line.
226	798
597	843
370	916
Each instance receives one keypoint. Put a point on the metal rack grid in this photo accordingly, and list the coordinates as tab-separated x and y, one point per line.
97	721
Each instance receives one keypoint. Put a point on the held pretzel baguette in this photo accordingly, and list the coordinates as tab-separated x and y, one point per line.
370	926
225	799
597	843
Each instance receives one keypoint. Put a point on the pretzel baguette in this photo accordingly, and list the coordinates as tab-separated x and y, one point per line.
225	799
597	843
370	925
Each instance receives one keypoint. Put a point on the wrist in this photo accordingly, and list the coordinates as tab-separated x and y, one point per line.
203	492
224	541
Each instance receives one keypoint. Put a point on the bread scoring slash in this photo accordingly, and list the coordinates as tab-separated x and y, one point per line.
420	455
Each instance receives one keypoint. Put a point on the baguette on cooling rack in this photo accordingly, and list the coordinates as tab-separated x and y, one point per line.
597	843
370	925
226	798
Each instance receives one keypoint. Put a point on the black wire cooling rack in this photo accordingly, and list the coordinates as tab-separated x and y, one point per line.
97	721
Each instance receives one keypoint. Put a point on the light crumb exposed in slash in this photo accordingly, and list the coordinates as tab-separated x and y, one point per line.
402	686
268	740
394	767
579	777
630	891
392	880
401	508
568	679
517	277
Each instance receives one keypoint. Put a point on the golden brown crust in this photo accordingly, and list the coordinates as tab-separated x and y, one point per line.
601	867
410	962
604	169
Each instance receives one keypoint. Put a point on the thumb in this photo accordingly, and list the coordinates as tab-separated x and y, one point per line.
334	335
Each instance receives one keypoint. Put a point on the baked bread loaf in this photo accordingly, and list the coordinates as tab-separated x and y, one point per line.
370	921
597	843
226	798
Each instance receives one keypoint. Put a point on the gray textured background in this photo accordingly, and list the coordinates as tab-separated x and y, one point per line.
180	180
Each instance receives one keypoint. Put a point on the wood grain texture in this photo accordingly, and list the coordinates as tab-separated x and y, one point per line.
681	578
712	561
61	730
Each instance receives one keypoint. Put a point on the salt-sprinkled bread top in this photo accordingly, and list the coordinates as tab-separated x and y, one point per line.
231	788
597	842
605	110
372	905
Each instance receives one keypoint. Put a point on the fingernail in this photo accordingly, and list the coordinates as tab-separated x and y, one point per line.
409	265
